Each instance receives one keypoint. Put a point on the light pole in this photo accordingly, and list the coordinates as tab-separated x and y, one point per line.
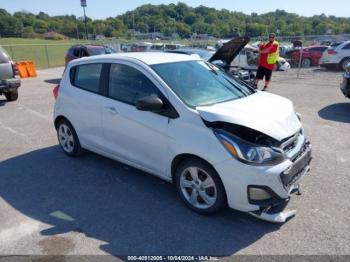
173	19
83	5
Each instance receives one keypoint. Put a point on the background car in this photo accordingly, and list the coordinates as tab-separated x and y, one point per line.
9	83
201	53
336	56
248	59
79	51
310	56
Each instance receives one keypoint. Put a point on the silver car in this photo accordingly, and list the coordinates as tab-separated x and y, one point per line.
9	83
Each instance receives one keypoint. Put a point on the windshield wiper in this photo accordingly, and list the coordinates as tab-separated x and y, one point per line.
212	69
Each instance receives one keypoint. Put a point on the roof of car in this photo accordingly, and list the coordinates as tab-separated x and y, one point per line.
149	58
90	46
312	46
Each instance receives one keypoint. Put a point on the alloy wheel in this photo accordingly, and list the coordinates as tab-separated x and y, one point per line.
198	187
66	138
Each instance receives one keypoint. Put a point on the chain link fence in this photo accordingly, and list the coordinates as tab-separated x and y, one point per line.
43	56
53	55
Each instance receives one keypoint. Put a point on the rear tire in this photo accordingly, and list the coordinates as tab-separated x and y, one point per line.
199	186
68	139
12	95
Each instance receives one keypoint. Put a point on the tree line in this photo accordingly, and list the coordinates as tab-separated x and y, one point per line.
179	18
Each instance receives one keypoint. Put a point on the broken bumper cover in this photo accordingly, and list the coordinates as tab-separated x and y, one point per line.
280	217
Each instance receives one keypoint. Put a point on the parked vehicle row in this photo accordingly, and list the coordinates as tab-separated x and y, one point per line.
310	56
188	122
335	56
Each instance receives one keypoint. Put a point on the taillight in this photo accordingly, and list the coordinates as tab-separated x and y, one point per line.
55	91
332	52
14	69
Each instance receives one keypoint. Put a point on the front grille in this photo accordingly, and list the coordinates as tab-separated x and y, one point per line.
300	165
290	143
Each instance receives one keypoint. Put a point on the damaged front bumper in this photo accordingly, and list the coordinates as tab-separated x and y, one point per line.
275	211
272	186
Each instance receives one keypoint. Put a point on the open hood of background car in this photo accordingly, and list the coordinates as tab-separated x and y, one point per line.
230	50
267	113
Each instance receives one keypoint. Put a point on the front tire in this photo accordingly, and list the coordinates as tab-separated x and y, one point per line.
344	63
306	63
68	139
12	95
199	186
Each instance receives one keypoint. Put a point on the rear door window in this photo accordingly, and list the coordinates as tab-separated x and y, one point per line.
128	84
87	77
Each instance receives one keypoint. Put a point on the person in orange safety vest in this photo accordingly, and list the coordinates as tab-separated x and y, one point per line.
269	54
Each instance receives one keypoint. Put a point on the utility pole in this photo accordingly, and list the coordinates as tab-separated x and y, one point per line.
83	5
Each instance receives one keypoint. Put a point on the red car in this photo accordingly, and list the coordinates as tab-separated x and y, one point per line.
310	57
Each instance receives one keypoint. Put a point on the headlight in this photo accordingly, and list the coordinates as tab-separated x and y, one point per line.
247	152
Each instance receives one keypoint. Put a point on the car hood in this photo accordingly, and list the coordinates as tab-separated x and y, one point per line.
270	114
230	50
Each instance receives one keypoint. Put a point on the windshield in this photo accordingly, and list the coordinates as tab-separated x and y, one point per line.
100	51
200	83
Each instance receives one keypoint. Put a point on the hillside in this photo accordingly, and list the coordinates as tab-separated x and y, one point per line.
179	18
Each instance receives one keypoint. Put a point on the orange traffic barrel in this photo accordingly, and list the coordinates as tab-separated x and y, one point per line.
22	69
31	69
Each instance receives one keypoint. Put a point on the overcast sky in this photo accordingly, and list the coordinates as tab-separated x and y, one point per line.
106	8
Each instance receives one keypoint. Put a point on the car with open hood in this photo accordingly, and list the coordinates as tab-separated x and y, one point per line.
218	140
238	53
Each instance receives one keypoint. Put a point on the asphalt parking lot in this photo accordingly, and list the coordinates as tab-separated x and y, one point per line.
55	205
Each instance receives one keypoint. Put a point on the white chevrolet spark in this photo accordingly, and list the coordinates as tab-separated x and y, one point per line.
188	122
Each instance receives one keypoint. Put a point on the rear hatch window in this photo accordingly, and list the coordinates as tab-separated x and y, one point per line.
334	46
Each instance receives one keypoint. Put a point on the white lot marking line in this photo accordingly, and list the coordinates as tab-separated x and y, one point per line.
17	232
13	131
42	116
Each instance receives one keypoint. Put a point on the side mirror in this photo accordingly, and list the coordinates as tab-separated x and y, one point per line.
150	103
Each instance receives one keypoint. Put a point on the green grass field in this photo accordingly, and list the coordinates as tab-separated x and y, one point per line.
44	53
51	53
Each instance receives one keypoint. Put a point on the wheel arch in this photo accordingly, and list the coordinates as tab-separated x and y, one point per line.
184	156
60	118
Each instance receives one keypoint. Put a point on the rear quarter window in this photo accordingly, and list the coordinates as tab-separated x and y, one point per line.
87	77
347	46
4	57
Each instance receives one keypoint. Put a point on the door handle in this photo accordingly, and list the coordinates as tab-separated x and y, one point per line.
111	110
